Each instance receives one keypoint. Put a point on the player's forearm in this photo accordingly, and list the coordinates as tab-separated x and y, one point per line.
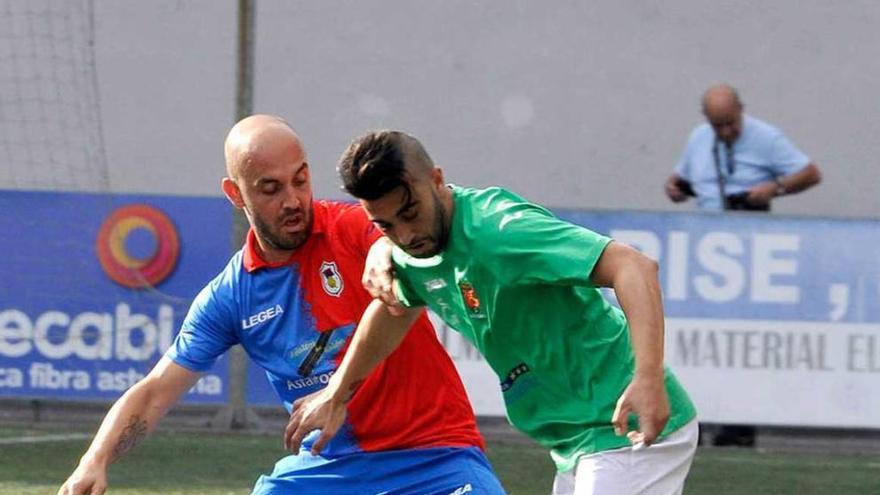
804	179
377	336
127	423
638	292
139	410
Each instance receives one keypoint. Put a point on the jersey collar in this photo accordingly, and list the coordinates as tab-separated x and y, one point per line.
253	261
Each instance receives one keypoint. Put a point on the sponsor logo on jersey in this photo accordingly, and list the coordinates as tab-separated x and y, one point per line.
315	353
301	349
435	284
331	280
307	346
469	295
514	374
462	490
310	381
262	316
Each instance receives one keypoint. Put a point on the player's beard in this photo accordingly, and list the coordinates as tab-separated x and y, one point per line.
439	230
279	240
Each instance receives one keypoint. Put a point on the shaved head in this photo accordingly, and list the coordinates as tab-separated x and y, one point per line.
723	109
721	98
256	139
268	178
416	156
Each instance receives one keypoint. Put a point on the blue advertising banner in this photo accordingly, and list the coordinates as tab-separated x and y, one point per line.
755	266
95	287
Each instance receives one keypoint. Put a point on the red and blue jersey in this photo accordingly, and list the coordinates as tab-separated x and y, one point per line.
296	318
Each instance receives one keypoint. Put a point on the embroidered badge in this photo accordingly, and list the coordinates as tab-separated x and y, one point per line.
470	297
330	278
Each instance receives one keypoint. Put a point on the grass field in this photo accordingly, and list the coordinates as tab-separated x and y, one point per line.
219	464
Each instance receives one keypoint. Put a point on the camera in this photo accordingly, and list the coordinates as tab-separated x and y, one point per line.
740	201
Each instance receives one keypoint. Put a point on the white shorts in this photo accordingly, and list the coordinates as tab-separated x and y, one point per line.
656	470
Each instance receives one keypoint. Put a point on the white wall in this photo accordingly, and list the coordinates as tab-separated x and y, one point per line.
578	104
573	104
166	71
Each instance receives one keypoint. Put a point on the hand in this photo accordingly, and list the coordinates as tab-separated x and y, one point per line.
674	192
378	278
89	478
762	193
317	411
646	397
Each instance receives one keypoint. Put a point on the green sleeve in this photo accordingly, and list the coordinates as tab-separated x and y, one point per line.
404	291
525	244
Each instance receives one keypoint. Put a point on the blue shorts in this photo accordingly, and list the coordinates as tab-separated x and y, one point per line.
433	471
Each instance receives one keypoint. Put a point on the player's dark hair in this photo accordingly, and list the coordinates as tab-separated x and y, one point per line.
376	163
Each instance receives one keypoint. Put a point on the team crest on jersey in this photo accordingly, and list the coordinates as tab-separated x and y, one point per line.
469	295
330	278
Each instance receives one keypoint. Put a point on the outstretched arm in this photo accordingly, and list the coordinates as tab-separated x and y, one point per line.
634	279
128	422
378	334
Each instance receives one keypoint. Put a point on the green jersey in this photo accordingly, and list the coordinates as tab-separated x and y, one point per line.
515	281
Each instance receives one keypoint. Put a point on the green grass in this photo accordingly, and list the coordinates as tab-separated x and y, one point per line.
745	471
219	464
209	463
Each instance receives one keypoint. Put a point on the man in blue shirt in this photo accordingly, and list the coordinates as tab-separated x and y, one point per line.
737	162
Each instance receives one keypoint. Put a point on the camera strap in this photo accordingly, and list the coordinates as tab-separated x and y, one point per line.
721	180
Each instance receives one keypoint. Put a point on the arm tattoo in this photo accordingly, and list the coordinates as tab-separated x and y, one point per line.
131	435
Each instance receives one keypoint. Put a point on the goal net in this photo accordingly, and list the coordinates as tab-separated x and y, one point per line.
50	125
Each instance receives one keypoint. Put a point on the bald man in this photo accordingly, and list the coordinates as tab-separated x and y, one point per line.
292	298
737	162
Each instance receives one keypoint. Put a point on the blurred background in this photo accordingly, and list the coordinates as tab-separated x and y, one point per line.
113	116
578	104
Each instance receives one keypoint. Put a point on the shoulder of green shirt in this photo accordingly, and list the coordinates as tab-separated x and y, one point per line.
488	211
503	228
492	200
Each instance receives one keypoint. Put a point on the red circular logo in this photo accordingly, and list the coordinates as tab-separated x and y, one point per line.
137	271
